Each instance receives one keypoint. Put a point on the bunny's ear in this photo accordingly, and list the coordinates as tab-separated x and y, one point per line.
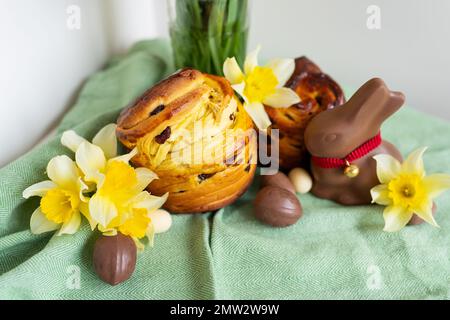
373	103
336	132
396	100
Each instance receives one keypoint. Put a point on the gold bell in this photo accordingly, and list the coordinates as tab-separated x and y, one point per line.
351	170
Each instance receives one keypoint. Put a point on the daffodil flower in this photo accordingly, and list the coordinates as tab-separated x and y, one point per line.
261	85
406	190
105	139
62	198
120	202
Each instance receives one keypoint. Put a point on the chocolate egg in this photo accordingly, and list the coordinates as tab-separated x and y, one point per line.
277	207
114	258
415	220
277	180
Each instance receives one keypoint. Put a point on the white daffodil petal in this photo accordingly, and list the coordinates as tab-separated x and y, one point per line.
71	226
380	195
100	179
106	139
38	189
395	218
251	61
435	184
258	114
91	160
282	98
126	157
147	201
232	71
40	224
425	212
102	210
387	167
109	232
139	246
82	187
282	68
144	177
63	171
414	162
150	233
71	140
84	209
239	88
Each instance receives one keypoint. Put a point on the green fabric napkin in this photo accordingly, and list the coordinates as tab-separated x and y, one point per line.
333	252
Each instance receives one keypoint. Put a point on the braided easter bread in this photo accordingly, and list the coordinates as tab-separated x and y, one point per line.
193	132
318	92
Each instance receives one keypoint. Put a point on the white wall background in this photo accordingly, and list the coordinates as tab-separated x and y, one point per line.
43	63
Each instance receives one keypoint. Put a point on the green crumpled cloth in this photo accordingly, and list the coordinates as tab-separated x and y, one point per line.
333	252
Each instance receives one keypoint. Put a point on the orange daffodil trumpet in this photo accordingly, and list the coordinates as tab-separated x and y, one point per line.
406	190
120	202
261	85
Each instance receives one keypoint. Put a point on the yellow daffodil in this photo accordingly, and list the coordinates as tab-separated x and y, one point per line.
261	85
62	198
120	202
406	190
105	139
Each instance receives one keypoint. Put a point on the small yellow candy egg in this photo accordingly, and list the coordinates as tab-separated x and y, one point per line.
301	180
162	220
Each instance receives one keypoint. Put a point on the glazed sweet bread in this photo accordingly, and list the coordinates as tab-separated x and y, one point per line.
193	132
318	92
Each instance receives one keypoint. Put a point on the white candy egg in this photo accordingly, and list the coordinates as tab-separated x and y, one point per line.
162	220
301	180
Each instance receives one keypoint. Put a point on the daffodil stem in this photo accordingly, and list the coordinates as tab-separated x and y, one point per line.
206	32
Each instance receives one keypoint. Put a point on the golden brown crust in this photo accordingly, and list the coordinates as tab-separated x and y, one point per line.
136	120
154	122
206	192
318	92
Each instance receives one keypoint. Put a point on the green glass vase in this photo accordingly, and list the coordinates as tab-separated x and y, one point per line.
206	32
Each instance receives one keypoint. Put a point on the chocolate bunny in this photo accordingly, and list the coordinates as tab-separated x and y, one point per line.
343	141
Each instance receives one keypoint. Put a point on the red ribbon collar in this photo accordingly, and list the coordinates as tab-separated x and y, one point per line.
361	151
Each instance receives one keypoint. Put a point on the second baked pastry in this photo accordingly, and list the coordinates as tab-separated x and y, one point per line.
318	92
